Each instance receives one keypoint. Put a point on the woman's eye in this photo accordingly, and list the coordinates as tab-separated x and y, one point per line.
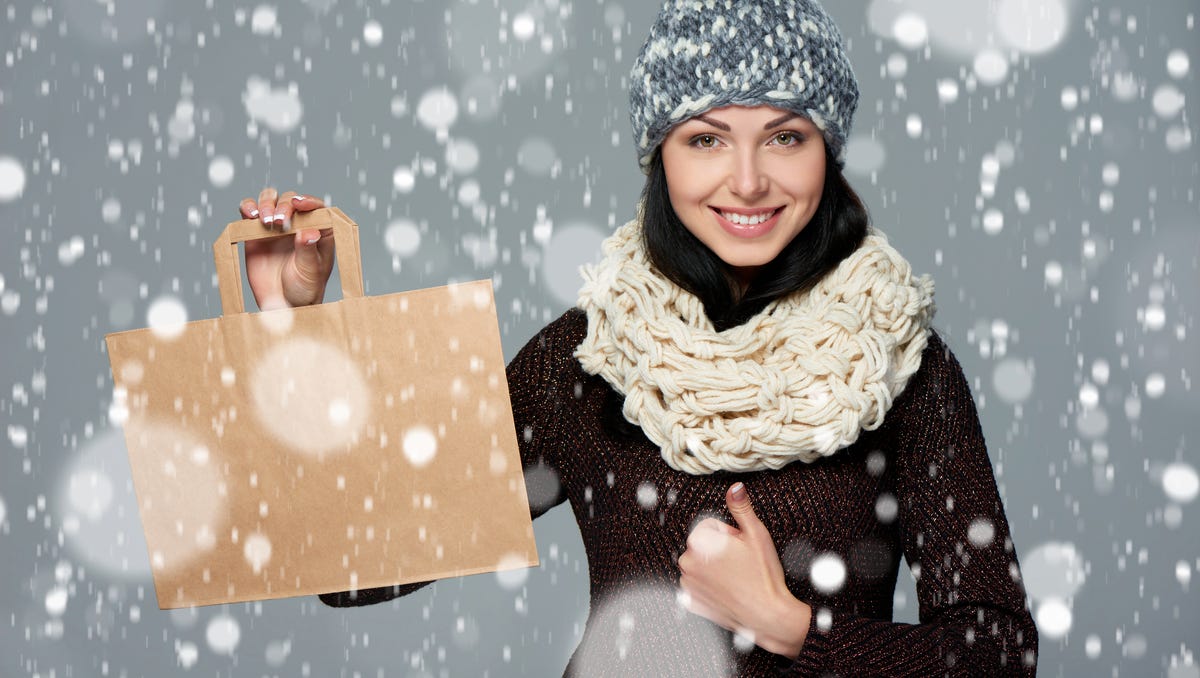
705	141
787	138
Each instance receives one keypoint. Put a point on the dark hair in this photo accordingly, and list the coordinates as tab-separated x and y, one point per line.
836	230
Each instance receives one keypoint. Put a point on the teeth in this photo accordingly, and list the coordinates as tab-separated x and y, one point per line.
748	220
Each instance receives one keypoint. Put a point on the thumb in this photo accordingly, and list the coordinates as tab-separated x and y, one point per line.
742	510
308	257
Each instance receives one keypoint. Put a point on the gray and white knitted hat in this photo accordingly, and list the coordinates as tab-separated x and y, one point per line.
704	54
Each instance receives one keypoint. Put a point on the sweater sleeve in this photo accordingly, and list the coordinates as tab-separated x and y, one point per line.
536	378
973	616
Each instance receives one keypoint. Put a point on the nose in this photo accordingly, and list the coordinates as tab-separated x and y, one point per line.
747	178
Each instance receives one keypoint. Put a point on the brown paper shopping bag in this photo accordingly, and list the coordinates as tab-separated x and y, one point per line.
354	444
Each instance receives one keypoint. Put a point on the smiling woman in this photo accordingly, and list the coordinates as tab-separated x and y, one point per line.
745	181
749	410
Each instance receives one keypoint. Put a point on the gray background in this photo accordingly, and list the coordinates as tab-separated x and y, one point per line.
1052	199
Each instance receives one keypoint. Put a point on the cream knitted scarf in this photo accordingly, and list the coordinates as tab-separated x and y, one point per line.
799	380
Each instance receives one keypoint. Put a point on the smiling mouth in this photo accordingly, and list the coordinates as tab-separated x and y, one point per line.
747	219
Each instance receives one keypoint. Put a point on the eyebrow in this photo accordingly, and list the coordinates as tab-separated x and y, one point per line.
773	123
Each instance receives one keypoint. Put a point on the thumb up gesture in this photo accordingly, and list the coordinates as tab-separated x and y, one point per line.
732	576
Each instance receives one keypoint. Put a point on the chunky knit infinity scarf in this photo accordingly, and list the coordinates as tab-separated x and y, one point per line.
799	380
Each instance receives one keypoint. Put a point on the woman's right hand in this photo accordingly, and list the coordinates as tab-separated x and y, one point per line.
285	272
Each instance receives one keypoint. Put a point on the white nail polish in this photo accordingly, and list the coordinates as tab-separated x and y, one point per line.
253	213
313	240
279	217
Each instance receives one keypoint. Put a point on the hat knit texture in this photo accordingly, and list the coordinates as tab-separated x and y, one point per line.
705	54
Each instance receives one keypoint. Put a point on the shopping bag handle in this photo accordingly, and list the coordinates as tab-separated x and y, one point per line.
229	267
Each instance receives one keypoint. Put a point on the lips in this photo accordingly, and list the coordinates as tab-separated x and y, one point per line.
745	223
746	217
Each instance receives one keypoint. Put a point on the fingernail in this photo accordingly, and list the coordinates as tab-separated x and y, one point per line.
297	198
739	491
279	217
266	218
312	240
253	213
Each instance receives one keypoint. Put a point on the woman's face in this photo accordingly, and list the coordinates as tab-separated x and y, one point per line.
745	181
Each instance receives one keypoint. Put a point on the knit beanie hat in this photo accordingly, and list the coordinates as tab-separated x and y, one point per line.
705	54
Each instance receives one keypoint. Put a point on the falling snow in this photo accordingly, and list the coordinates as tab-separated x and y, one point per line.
1036	157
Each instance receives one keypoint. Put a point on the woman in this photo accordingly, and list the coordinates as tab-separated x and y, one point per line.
748	411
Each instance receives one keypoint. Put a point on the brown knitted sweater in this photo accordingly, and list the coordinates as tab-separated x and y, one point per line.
920	486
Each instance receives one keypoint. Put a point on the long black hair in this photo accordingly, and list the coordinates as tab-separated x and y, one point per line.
836	230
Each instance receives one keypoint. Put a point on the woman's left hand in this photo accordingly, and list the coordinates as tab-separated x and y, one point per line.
733	577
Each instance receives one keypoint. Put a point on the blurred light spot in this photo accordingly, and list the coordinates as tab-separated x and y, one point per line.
1092	646
279	109
1180	482
257	551
828	573
462	155
947	91
277	652
1032	27
1167	101
542	485
420	445
402	237
536	156
512	571
1183	572
339	412
1089	395
1178	64
220	171
12	179
403	179
497	462
263	20
623	631
897	65
990	67
1053	618
1092	423
1069	98
864	155
910	30
469	192
993	221
913	125
1135	646
1053	273
437	109
1156	385
1178	138
981	532
523	26
1013	380
56	601
647	495
569	248
90	492
1053	570
372	33
187	653
886	508
223	634
3	511
305	373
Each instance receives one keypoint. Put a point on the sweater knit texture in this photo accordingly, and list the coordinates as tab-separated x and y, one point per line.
920	487
799	380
